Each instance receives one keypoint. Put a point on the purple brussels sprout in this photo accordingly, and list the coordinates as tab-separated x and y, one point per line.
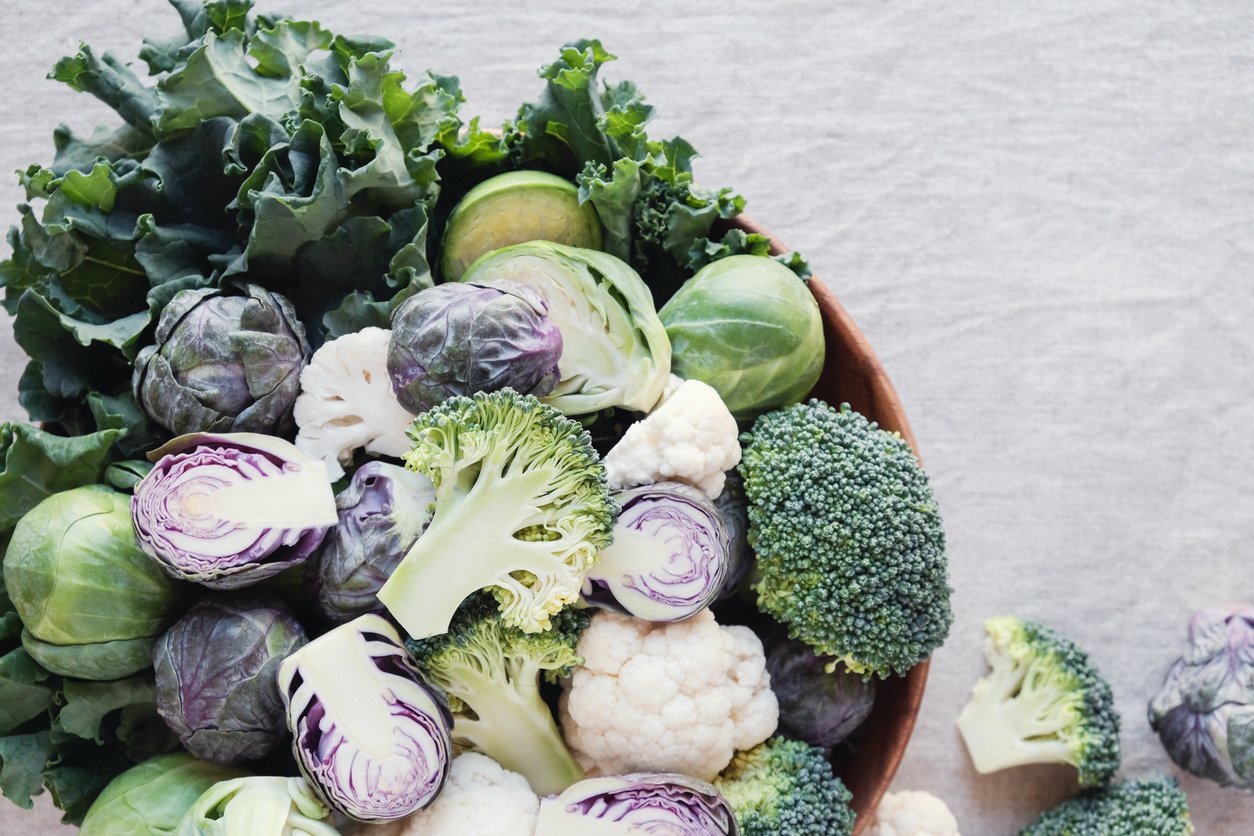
733	507
458	339
370	733
382	512
669	557
216	672
642	803
820	701
1204	713
226	511
225	360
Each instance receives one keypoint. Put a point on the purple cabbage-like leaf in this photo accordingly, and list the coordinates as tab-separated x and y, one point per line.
820	701
225	360
641	803
216	674
1204	713
458	339
733	507
229	510
370	733
669	558
382	512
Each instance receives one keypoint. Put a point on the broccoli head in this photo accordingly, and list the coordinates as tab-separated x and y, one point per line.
491	671
1131	808
521	509
1041	702
850	550
786	788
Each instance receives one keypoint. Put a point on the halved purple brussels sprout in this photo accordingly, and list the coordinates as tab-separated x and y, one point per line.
228	510
215	676
382	511
369	732
642	803
669	557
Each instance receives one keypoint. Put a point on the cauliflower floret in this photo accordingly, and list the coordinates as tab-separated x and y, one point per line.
480	797
346	402
690	436
666	697
913	813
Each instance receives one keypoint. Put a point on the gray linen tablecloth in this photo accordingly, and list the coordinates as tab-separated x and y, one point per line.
1041	214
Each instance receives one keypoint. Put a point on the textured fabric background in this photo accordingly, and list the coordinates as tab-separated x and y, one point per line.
1041	214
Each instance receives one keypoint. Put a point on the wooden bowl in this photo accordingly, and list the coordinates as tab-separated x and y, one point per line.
852	374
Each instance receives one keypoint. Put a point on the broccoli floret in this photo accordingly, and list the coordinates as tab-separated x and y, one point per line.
491	673
521	508
1042	702
1131	808
850	550
786	788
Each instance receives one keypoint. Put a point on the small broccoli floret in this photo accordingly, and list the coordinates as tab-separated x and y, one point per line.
1132	808
521	508
851	554
786	788
1042	702
491	673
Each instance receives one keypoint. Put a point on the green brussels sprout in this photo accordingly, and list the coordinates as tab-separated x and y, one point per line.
750	328
614	348
153	797
91	601
513	208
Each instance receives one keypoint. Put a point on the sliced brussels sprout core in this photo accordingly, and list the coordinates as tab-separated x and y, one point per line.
669	557
514	208
369	732
615	351
636	805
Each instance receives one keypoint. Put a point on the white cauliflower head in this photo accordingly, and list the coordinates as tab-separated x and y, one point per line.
913	813
690	437
480	797
666	697
346	402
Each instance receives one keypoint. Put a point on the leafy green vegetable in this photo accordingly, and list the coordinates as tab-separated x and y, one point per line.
37	464
738	242
271	151
642	189
67	735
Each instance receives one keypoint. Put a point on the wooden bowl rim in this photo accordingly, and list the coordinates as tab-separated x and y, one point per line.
915	682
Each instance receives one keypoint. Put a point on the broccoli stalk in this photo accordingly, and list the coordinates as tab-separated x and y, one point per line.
491	673
786	788
521	507
1132	808
1042	702
850	550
